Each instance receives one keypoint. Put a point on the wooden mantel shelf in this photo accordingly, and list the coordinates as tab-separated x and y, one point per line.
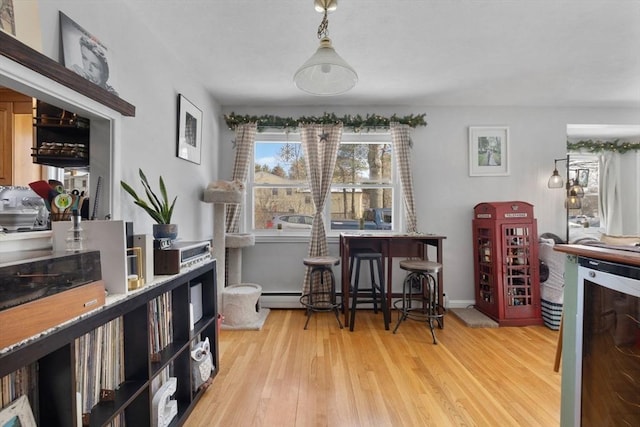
34	60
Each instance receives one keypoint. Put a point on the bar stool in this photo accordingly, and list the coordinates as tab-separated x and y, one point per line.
373	294
420	294
322	296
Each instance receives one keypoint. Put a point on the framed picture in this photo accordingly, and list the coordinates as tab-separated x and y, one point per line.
7	17
582	176
189	130
488	151
17	414
85	54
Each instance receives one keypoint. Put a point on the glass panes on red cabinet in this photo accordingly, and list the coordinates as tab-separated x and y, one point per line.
506	276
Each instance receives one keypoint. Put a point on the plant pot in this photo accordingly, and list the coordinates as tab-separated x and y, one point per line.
165	231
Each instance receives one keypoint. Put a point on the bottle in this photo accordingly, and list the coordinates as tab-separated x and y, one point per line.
75	235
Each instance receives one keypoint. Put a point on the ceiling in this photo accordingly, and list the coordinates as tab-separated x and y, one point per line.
565	53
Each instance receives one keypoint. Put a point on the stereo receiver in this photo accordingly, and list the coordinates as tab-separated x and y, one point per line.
180	255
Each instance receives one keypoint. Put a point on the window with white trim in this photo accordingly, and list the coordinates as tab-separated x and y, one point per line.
364	192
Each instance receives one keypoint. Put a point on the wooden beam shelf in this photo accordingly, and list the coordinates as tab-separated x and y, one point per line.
19	52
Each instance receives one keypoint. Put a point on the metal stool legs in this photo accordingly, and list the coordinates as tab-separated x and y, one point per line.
420	301
320	300
377	289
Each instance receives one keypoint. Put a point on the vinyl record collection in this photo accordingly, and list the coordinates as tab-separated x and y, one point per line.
100	363
18	383
161	327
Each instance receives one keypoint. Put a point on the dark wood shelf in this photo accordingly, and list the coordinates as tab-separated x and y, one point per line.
24	55
103	412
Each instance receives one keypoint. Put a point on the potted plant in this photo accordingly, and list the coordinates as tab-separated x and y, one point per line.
159	209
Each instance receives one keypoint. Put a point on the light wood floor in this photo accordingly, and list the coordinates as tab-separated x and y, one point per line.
324	376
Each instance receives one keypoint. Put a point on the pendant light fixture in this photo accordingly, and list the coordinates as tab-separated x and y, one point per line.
325	73
556	181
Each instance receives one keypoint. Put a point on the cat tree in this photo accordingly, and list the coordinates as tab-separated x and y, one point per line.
238	302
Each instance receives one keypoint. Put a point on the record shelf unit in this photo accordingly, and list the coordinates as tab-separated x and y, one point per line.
505	262
54	355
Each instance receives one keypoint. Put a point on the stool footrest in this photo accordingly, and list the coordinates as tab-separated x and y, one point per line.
420	300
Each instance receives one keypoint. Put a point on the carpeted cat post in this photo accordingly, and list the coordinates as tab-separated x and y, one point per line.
238	302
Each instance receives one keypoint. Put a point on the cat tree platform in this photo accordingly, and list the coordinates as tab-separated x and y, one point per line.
234	242
241	307
238	302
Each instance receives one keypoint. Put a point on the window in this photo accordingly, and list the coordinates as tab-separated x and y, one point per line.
584	171
362	194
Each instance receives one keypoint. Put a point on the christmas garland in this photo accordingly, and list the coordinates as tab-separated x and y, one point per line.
357	123
600	146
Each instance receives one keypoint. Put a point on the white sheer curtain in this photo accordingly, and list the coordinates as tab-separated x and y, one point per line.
245	139
609	202
320	146
401	142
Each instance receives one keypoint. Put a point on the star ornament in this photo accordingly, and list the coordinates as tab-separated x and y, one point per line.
324	137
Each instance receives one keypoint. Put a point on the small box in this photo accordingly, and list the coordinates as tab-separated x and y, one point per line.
196	301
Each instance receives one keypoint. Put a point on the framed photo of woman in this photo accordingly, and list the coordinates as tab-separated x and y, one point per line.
86	55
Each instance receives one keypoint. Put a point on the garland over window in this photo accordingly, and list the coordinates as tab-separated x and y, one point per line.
600	146
356	122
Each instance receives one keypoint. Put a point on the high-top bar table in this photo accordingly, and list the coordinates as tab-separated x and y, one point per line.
390	245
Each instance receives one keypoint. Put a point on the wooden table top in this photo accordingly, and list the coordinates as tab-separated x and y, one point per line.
605	253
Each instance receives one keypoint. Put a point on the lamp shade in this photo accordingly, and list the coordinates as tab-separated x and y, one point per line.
576	189
555	181
573	202
325	73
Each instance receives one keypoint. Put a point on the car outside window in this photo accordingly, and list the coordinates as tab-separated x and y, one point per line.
363	189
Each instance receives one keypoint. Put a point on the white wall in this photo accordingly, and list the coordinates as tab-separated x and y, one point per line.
445	193
150	78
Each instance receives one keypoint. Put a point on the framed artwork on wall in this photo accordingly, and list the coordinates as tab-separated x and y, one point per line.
86	55
583	177
7	17
488	151
18	413
189	130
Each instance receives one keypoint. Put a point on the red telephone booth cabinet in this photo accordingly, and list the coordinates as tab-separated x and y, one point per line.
506	269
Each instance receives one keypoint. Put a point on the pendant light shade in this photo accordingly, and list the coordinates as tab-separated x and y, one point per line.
573	201
325	73
555	181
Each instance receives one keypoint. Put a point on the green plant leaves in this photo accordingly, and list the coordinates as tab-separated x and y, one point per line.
159	209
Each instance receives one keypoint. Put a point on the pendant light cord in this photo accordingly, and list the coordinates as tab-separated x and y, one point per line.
323	28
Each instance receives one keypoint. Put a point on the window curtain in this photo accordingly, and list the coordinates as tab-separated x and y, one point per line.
245	139
401	142
320	146
609	201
